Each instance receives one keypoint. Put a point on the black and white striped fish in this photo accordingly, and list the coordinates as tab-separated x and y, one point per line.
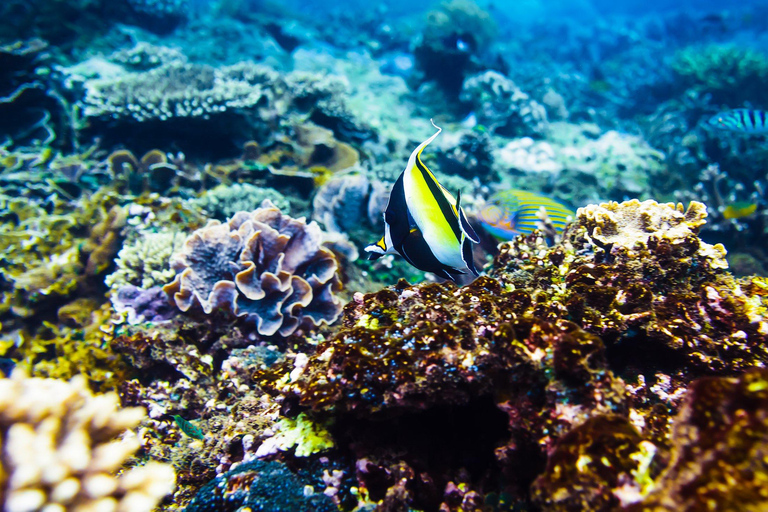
741	120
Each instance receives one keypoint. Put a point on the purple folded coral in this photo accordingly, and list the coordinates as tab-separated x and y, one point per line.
263	265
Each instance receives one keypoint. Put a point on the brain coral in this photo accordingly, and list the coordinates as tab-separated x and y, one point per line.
59	450
266	266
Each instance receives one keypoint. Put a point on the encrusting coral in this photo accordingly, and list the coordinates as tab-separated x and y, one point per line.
545	361
262	265
60	450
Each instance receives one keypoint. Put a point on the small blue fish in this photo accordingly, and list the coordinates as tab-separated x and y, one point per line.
741	120
513	212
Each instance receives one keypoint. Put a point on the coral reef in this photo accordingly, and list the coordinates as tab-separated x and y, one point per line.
501	106
142	305
145	262
727	72
224	201
31	109
263	265
134	106
258	485
579	165
514	362
717	438
61	450
454	33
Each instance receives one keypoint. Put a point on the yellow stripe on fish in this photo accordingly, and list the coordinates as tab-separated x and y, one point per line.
513	212
425	223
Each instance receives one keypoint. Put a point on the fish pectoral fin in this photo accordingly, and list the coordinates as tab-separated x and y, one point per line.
377	250
464	224
468	257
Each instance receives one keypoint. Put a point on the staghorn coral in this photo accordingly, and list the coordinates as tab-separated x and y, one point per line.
265	266
60	450
499	104
144	263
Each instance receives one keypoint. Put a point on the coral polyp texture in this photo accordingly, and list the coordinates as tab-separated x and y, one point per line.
263	265
61	450
176	90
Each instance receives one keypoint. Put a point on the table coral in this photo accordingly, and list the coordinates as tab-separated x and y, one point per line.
263	265
60	450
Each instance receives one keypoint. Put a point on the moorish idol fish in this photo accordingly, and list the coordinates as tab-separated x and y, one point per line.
513	212
741	120
425	224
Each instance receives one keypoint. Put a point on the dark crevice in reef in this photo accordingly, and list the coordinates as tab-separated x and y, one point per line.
637	354
441	442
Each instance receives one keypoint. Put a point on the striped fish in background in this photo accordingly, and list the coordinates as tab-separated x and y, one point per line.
513	212
741	120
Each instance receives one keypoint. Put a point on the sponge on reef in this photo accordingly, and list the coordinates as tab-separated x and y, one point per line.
263	265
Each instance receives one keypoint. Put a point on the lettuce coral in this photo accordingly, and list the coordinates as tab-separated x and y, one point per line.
263	265
60	450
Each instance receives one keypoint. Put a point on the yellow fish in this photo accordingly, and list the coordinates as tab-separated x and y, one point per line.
425	224
739	210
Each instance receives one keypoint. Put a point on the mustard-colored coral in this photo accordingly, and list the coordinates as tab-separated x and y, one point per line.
77	345
62	447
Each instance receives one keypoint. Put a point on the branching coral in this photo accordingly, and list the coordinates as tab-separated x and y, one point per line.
262	265
145	262
47	256
60	450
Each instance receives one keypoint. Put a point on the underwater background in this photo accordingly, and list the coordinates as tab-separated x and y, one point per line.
238	257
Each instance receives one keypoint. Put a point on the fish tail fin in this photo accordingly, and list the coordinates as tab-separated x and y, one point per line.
466	227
